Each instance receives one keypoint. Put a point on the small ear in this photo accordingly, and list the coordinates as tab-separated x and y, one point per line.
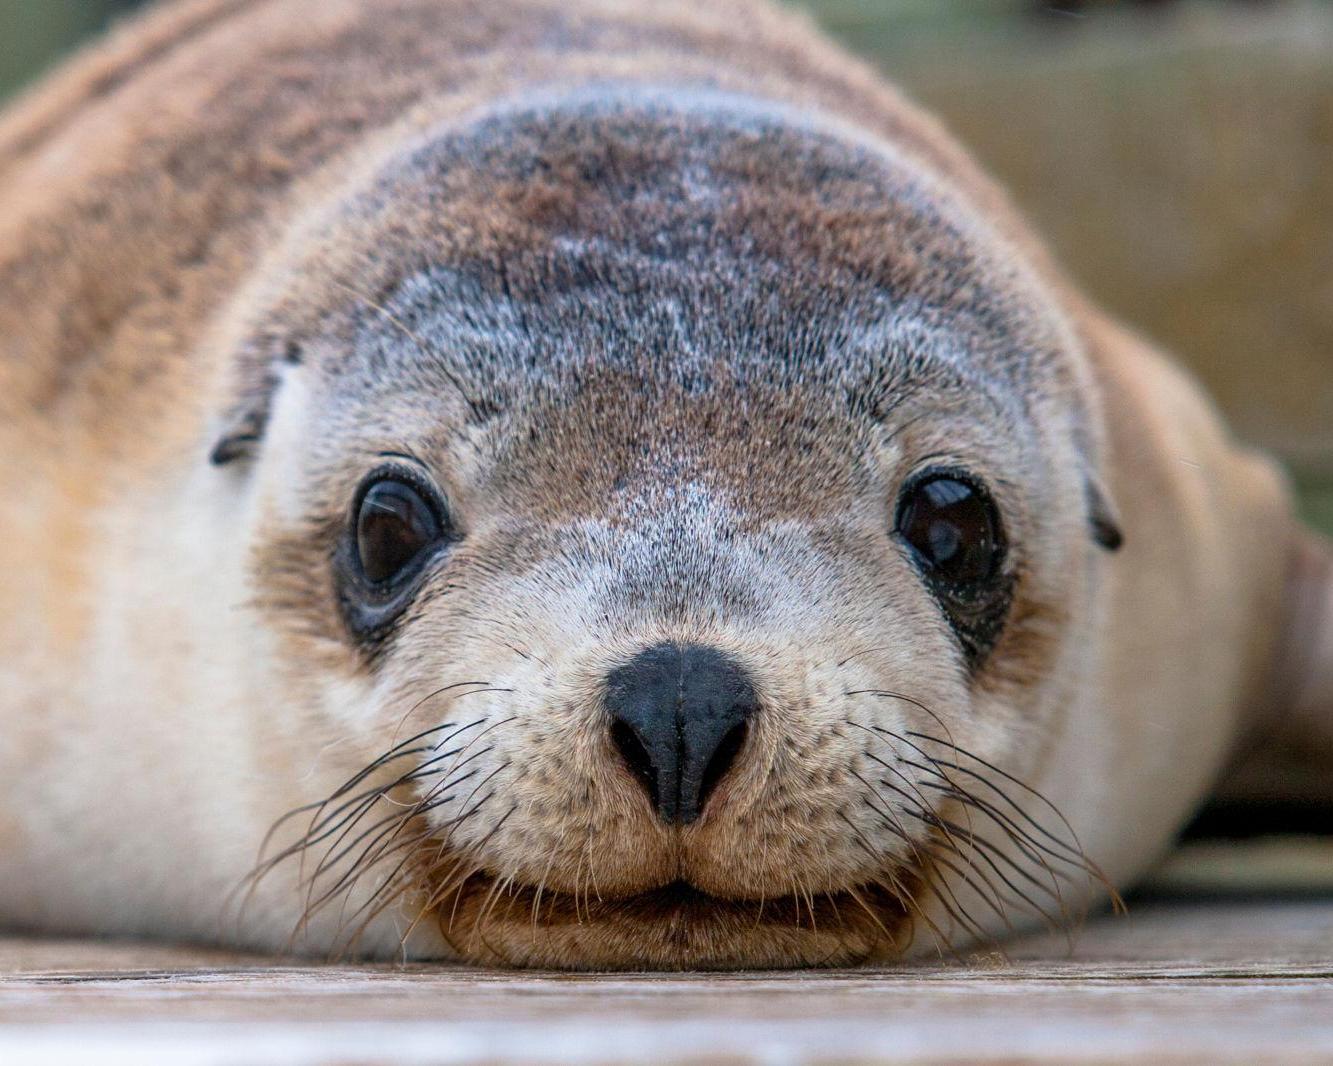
1103	520
246	421
240	439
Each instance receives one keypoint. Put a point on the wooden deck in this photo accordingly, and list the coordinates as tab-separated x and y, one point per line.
1241	981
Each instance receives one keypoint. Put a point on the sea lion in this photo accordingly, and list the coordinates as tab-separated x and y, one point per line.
586	484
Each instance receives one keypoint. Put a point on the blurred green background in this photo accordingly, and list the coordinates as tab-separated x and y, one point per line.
1178	155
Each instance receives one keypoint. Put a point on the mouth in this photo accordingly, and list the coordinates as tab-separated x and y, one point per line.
673	926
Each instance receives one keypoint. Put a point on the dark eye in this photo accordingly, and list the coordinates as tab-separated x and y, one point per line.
394	527
399	525
954	528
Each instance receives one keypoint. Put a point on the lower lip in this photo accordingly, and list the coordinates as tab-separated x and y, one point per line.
680	899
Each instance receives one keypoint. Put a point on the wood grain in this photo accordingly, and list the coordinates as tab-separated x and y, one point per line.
1174	982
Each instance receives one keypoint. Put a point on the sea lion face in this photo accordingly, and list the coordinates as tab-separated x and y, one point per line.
682	505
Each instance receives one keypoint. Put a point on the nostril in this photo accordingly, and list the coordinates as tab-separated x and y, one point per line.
635	755
721	761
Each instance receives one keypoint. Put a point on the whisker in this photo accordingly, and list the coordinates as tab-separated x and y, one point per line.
923	861
365	800
989	895
1072	855
389	756
998	875
1083	855
338	850
890	694
382	832
1031	849
912	784
986	849
362	864
484	686
476	409
865	844
320	822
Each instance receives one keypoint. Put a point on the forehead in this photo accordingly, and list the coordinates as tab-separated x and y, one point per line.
631	256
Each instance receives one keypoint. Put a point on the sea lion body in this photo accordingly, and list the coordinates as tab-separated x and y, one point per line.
668	302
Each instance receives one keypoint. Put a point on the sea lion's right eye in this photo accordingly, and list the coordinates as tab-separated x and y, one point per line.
398	525
394	526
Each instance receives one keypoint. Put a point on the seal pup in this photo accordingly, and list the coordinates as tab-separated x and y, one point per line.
586	484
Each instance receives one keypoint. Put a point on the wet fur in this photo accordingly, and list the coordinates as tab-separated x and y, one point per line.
669	299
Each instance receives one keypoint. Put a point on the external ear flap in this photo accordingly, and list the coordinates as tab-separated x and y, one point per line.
245	423
1102	517
241	438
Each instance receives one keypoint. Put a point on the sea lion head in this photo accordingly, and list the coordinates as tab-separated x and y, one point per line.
687	507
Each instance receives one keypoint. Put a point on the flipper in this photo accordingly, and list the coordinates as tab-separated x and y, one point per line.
1287	759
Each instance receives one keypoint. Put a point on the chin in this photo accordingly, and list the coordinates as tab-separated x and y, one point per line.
674	927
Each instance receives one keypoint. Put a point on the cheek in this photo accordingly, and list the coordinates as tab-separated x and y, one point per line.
1046	621
363	706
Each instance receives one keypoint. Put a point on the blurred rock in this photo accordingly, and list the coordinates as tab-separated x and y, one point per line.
36	33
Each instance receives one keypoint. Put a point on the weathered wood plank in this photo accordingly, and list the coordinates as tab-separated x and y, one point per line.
1173	982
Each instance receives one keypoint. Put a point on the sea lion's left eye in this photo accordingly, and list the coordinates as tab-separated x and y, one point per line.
951	524
954	528
394	525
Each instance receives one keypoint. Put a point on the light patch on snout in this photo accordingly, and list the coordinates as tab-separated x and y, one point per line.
542	798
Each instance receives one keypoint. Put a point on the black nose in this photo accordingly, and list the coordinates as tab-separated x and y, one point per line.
678	717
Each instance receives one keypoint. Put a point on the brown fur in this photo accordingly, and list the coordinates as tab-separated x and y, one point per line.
192	126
